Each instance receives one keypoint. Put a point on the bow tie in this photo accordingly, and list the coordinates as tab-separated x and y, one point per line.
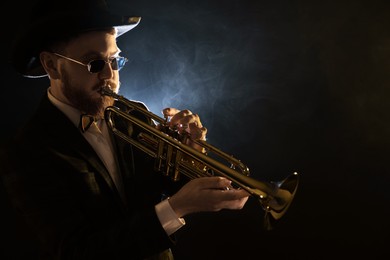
86	121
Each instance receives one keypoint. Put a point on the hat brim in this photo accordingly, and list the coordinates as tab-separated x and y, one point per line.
25	57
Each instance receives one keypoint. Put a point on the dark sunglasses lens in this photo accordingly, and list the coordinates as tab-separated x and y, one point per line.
96	66
117	63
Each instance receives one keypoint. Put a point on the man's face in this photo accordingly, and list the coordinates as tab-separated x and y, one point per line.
79	86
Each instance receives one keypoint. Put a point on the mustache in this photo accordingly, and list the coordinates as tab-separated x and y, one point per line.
99	87
113	86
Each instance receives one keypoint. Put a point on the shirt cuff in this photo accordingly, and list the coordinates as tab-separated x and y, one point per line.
168	218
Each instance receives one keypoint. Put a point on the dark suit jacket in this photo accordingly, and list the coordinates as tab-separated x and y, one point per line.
68	200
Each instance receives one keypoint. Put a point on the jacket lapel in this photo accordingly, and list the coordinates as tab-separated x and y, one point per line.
62	131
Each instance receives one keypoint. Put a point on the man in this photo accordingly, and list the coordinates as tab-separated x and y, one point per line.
83	192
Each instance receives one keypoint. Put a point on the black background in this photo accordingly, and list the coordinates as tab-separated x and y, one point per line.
282	85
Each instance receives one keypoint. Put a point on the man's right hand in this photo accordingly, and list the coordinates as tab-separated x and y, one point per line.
207	194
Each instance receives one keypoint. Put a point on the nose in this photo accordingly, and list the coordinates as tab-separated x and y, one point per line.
107	71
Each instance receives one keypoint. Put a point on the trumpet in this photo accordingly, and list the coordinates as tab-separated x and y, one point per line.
172	157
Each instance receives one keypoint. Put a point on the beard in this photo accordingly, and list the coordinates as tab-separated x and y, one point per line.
85	99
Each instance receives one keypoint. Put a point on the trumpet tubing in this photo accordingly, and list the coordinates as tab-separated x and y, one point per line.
173	158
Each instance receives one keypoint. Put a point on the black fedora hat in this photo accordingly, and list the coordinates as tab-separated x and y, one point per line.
55	20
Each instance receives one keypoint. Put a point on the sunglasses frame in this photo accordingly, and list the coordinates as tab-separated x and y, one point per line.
88	65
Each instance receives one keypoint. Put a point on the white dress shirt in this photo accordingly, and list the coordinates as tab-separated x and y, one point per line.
99	137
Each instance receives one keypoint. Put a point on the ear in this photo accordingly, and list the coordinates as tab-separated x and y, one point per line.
49	63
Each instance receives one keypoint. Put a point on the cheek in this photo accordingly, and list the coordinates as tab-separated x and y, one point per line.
78	77
93	95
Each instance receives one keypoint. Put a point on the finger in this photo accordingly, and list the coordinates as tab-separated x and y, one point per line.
216	182
191	119
235	203
197	133
181	117
170	111
193	125
237	195
227	199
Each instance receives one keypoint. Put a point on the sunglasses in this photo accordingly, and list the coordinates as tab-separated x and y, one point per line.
95	66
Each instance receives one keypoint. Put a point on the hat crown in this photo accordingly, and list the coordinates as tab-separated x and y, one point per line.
52	22
47	10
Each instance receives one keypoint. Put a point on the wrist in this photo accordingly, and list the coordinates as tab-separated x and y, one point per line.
176	206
